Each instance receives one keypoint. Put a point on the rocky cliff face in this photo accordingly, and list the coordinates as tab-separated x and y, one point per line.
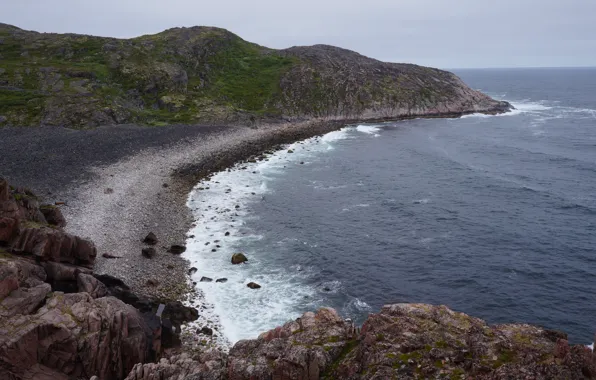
209	75
57	319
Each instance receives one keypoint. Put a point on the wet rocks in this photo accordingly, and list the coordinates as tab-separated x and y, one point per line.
150	239
253	285
192	271
206	279
221	280
149	252
206	331
177	249
238	258
227	234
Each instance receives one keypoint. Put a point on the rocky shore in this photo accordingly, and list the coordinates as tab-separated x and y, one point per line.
59	320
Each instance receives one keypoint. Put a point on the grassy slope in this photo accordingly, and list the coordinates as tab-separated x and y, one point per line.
221	75
207	75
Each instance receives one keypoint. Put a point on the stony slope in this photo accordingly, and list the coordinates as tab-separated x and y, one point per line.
210	76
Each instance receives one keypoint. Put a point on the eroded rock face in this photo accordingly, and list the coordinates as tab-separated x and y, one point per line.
57	319
75	335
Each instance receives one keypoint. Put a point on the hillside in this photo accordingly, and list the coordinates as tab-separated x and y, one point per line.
206	75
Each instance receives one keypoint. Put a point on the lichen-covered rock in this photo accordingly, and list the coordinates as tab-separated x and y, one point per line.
411	341
300	349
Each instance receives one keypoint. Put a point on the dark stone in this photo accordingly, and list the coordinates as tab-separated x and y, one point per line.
227	234
108	191
253	285
177	249
149	252
239	258
206	279
109	256
165	185
192	271
205	331
152	282
222	280
150	239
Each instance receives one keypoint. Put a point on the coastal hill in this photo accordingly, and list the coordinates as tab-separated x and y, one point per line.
206	75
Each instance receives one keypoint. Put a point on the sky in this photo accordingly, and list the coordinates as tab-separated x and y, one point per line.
438	33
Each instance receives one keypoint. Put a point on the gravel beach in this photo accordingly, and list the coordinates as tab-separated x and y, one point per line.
121	182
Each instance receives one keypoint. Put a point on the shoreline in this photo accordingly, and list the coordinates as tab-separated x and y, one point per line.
117	203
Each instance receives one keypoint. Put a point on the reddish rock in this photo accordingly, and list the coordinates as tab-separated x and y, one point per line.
50	244
89	284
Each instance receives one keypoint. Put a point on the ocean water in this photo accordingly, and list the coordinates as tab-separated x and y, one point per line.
494	216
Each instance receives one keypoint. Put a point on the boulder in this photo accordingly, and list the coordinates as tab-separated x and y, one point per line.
206	279
177	249
53	215
24	300
150	239
205	331
221	280
89	284
238	258
149	252
9	279
253	285
192	271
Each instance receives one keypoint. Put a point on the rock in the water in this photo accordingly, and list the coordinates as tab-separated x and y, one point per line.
253	285
177	249
192	271
206	279
149	252
221	280
227	234
205	331
150	239
239	258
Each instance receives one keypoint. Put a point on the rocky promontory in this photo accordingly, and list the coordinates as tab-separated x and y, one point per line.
206	75
59	320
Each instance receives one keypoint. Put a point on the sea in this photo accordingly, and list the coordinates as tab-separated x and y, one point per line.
494	216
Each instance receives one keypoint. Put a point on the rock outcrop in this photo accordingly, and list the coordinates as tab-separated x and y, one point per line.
57	319
210	76
402	341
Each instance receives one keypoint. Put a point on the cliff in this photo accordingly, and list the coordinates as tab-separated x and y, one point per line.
60	321
205	75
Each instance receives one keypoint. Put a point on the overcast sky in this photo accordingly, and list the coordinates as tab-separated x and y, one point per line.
440	33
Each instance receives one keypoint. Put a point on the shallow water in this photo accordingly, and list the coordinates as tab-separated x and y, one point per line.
491	215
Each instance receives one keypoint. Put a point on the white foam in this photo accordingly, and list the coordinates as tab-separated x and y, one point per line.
369	130
591	346
241	312
421	201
